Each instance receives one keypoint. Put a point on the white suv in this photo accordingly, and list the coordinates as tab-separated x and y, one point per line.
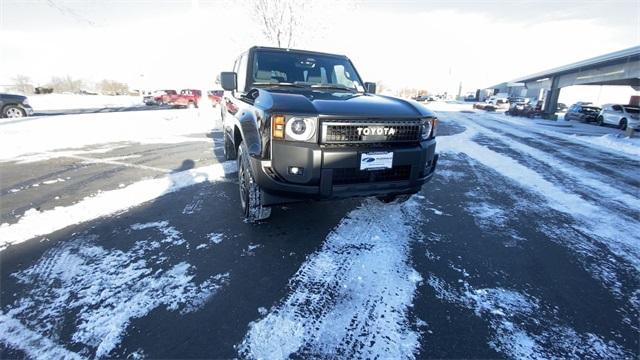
622	116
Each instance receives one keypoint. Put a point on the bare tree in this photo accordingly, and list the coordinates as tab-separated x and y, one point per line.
287	23
22	84
112	87
280	20
65	84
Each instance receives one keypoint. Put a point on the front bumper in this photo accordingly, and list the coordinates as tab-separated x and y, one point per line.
27	109
333	172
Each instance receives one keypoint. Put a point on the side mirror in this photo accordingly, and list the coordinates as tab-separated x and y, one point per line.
229	80
370	87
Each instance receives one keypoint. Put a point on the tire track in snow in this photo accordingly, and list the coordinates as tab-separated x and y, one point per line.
602	165
96	292
351	298
619	234
625	151
589	183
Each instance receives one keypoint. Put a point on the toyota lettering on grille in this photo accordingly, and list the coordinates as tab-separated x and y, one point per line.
376	130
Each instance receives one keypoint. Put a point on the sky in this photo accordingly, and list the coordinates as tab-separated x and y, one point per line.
433	45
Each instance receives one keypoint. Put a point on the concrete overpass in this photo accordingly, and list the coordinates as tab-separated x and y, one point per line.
616	68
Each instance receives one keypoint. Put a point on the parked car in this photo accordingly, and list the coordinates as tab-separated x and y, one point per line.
622	116
186	98
518	108
14	106
155	98
501	98
561	107
303	125
215	96
582	112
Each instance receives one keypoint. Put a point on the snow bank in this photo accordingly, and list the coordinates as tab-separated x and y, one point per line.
351	298
629	146
35	223
76	131
73	101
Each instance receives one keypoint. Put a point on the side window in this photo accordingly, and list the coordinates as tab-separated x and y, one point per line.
242	73
617	108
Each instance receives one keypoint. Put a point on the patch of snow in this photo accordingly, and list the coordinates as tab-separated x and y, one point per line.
351	298
630	146
35	223
262	311
49	182
17	336
172	235
522	328
103	290
216	238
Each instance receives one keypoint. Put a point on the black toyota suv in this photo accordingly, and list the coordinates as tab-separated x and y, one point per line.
14	106
303	125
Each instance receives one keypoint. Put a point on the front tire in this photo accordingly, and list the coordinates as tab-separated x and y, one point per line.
230	152
251	195
12	111
623	124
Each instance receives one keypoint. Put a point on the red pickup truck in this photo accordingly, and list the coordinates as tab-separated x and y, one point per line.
215	96
187	97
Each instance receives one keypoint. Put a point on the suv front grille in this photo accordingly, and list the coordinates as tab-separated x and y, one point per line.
341	131
355	176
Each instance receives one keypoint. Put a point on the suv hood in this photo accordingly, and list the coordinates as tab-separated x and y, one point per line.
338	103
13	97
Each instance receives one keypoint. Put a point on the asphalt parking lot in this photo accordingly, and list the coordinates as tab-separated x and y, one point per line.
524	245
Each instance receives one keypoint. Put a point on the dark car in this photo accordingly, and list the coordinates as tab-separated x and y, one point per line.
582	112
14	106
561	107
303	125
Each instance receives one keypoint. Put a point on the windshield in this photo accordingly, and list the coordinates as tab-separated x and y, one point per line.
307	70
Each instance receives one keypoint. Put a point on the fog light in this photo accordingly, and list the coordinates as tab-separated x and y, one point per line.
294	170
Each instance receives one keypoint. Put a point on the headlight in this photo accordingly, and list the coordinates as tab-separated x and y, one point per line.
25	101
428	128
300	128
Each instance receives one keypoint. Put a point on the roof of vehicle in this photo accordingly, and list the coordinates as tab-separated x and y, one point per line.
294	50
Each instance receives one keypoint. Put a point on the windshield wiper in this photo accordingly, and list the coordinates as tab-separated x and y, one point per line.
278	84
333	86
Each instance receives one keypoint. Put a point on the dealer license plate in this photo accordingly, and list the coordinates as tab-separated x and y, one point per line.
376	160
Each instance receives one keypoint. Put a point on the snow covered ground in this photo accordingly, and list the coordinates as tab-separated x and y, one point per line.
525	245
45	135
72	101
